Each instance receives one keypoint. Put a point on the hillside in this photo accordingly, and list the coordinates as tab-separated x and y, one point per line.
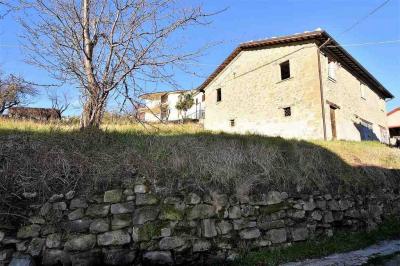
54	158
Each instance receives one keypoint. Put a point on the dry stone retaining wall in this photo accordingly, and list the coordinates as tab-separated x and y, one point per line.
135	226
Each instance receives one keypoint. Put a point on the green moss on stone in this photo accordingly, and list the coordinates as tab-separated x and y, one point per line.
169	212
265	210
151	230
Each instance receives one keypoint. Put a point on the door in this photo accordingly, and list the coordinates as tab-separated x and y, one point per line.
333	121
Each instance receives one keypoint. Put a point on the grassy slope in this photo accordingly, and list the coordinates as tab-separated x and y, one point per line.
54	158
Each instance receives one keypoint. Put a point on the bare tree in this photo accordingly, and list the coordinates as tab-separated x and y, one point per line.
5	8
59	103
101	45
14	91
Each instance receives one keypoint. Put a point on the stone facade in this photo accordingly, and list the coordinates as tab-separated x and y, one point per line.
135	226
254	96
355	106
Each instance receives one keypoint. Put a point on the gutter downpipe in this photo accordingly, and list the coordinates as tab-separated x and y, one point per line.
321	86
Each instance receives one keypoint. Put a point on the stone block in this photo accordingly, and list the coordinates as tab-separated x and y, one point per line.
126	207
328	217
59	206
208	228
114	238
141	189
98	210
299	234
76	214
99	226
120	221
56	197
146	199
22	246
316	215
158	258
224	227
240	224
113	196
266	224
29	231
37	220
171	243
250	233
201	245
35	247
53	241
193	199
276	236
78	226
78	203
80	242
87	258
70	195
201	211
53	257
309	205
235	212
117	257
171	213
145	214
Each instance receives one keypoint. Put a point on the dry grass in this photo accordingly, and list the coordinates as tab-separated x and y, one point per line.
55	158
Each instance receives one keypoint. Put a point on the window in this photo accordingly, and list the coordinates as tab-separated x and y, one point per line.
285	70
219	95
331	69
362	91
164	98
203	97
287	111
232	122
366	130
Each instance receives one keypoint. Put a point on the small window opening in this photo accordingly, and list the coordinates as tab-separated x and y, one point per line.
285	70
219	95
362	91
203	97
331	69
287	111
232	122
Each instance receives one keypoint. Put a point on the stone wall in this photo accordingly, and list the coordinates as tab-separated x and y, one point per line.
134	225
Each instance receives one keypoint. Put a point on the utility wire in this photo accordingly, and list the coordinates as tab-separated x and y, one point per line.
365	44
364	18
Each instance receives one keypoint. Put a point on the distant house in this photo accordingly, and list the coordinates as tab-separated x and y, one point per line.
290	87
161	106
394	123
43	114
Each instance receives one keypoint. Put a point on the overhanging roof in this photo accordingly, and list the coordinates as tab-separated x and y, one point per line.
394	111
155	95
319	37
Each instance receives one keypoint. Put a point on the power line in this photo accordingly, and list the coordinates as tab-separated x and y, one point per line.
365	44
365	17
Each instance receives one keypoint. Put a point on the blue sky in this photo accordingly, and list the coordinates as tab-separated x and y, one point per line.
246	20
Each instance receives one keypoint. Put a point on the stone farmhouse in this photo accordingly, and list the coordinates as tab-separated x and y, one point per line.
394	123
161	106
302	86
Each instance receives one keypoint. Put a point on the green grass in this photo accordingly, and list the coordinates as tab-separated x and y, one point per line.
340	242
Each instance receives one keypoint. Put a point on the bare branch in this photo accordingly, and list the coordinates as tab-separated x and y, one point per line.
103	45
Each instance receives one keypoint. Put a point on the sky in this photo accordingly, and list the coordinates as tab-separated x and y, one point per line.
245	20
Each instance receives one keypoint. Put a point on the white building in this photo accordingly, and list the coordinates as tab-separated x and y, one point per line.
161	106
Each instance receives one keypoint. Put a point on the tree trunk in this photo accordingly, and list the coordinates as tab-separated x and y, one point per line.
92	113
